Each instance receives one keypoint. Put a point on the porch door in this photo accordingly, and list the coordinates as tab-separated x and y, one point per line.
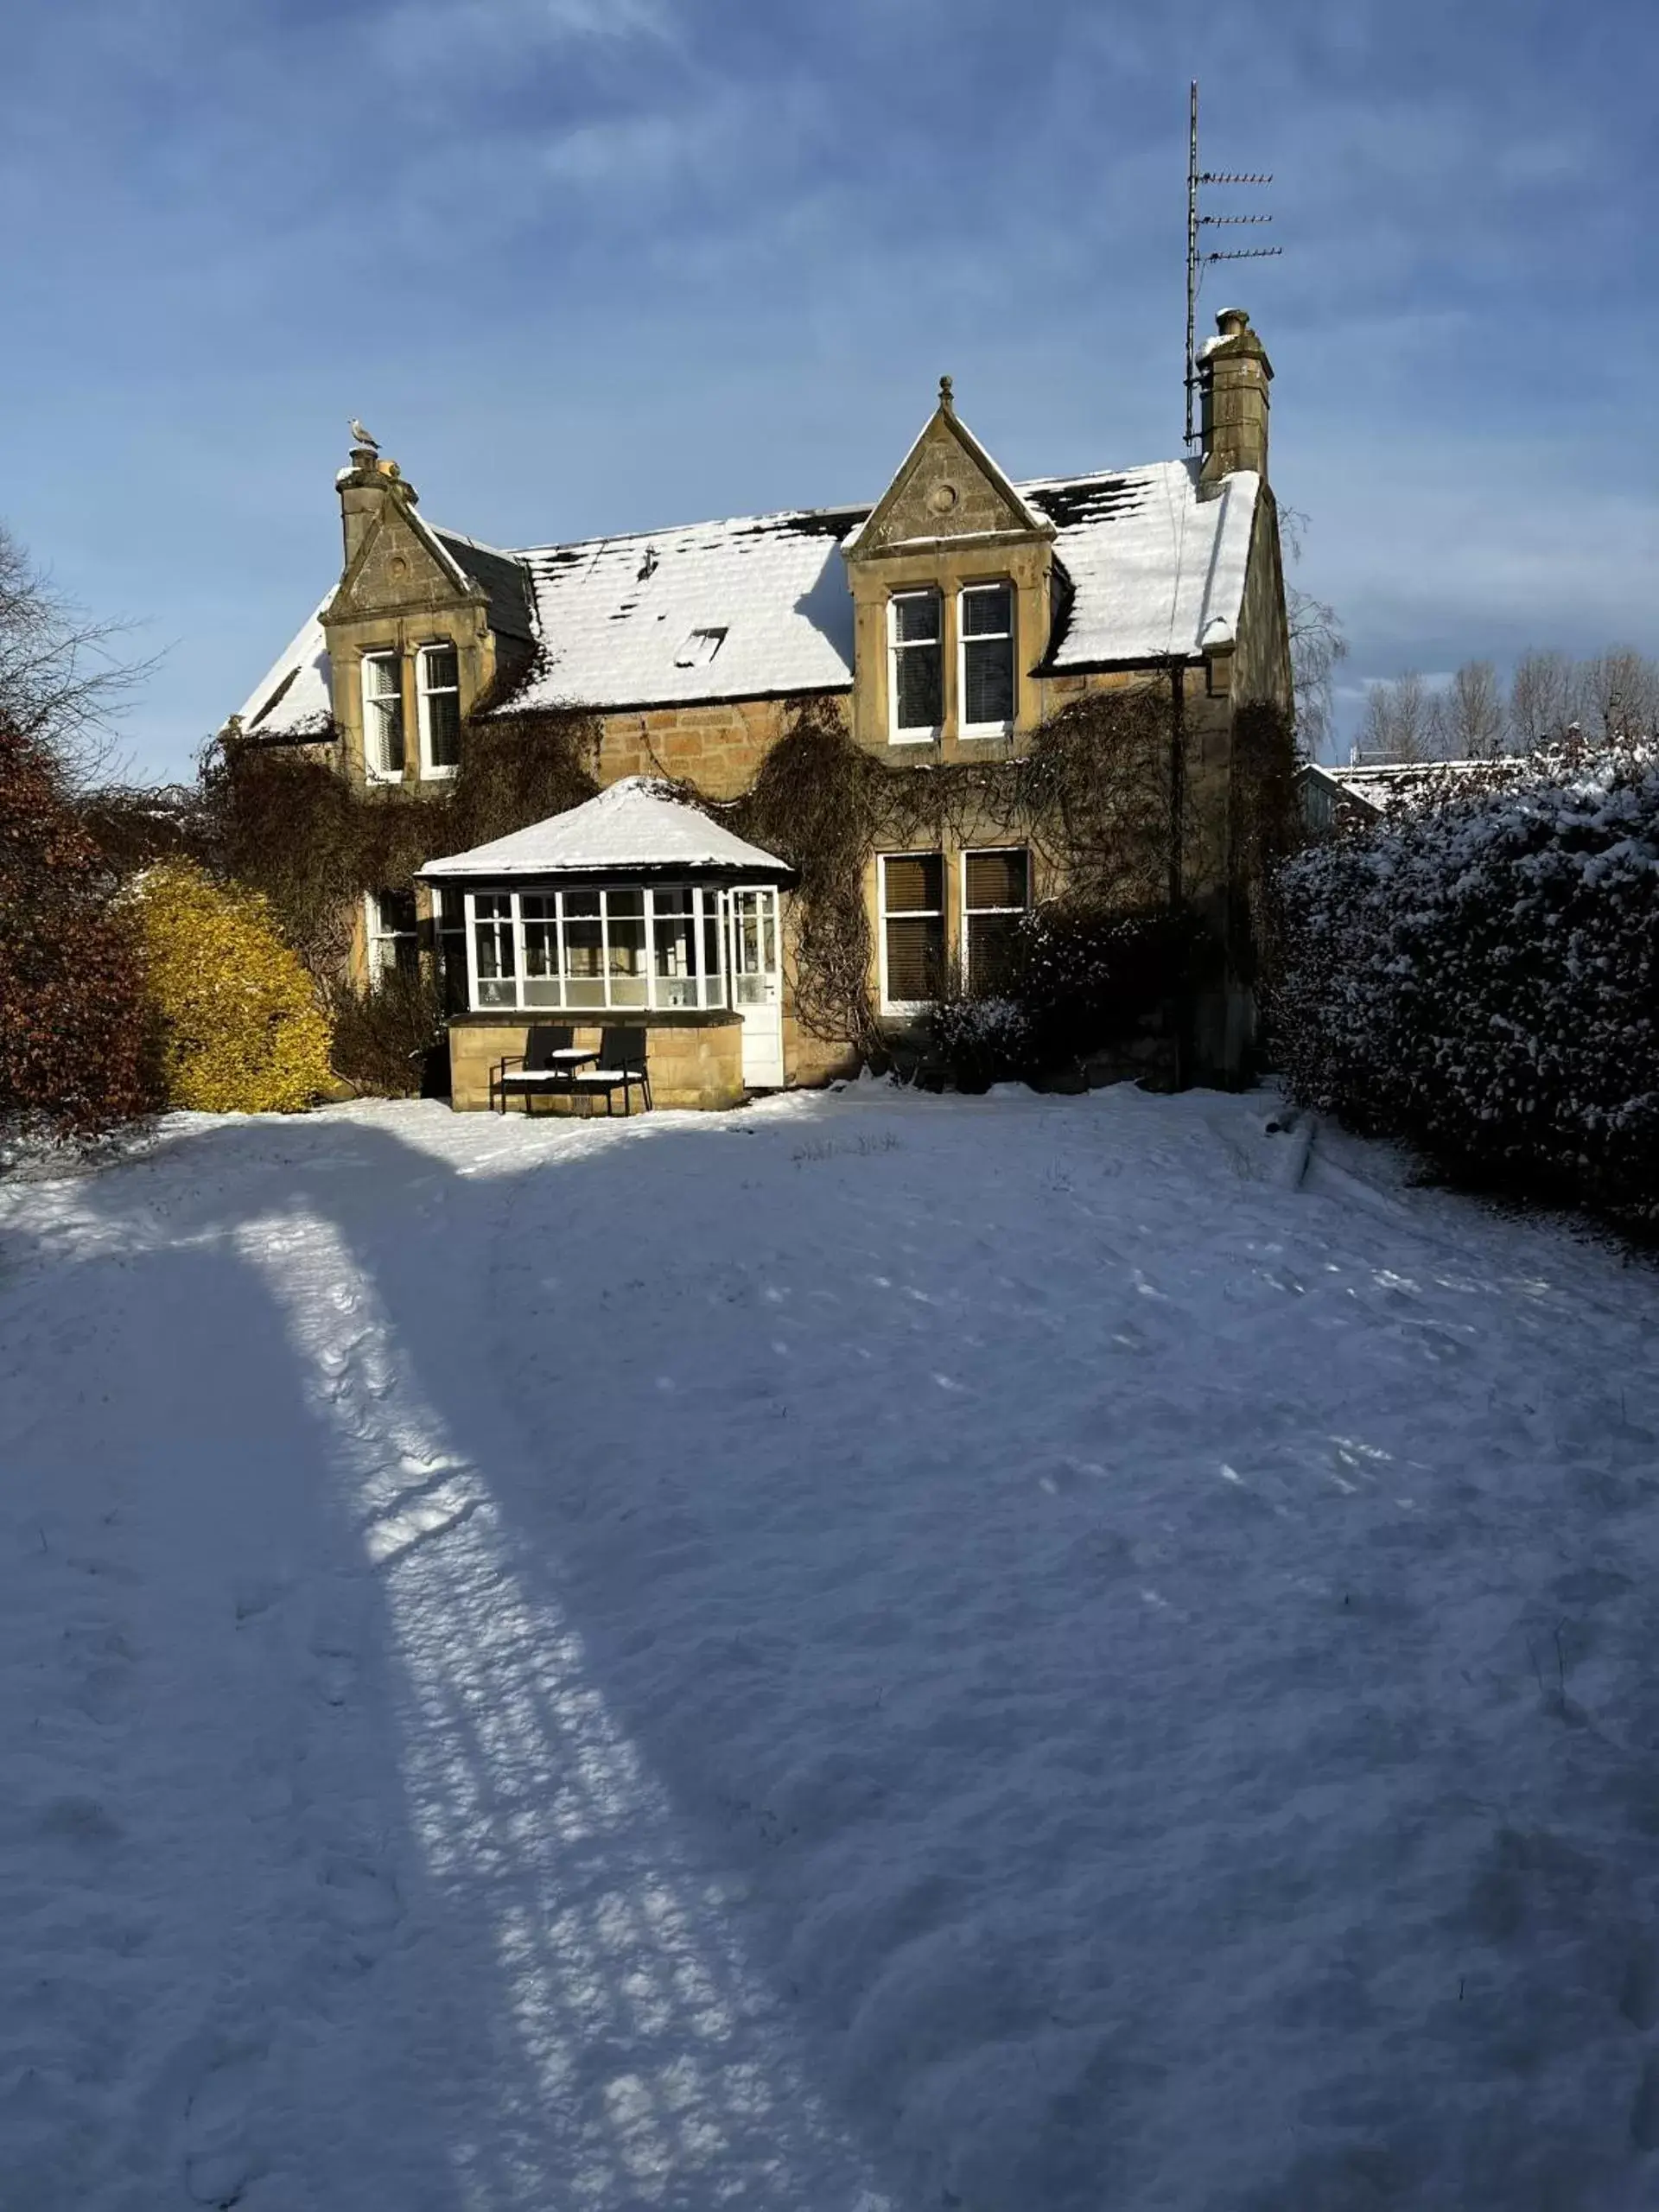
757	981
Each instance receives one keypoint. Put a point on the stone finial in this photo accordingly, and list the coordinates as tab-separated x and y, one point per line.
947	396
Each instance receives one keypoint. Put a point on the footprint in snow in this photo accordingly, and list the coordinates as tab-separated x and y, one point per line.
363	1903
218	2160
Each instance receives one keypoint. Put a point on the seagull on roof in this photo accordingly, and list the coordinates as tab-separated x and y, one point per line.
362	437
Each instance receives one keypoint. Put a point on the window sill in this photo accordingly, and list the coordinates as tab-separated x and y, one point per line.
914	736
439	775
985	733
380	776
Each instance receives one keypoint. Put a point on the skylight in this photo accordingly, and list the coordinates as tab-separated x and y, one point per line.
699	648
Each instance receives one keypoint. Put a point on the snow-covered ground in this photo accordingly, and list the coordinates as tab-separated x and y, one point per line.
875	1652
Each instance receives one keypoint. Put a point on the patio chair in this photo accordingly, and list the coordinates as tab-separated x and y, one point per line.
534	1071
621	1067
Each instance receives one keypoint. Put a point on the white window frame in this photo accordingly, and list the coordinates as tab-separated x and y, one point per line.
890	1005
978	852
424	694
965	593
372	724
896	645
380	942
708	918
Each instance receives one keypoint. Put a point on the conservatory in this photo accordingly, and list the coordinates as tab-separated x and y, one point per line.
636	910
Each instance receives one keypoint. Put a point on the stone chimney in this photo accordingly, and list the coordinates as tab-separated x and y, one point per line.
364	489
1234	373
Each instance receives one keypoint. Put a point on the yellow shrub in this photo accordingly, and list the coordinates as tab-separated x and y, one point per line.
239	1027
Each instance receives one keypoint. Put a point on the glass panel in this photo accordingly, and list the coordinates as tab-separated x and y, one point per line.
443	728
915	957
986	610
713	961
988	680
381	676
914	883
624	913
584	990
996	880
916	618
397	914
543	990
584	951
674	929
385	736
541	937
494	949
627	990
990	948
442	667
917	674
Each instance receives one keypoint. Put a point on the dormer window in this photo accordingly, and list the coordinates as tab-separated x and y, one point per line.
699	648
987	639
917	685
382	717
440	705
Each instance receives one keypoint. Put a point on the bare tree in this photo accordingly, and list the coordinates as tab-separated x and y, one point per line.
1469	713
62	683
1541	700
1399	722
1618	696
1316	646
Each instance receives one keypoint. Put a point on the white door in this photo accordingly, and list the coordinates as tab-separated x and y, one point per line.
756	983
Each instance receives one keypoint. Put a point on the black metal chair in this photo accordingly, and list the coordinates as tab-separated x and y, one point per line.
621	1067
534	1071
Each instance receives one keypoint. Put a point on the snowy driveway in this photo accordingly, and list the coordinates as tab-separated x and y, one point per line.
873	1654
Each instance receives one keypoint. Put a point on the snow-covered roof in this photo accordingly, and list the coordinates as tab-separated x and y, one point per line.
1378	785
638	824
296	694
760	605
1154	569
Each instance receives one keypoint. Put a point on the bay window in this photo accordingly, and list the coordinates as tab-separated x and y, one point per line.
439	695
578	950
916	666
382	717
986	616
995	892
913	928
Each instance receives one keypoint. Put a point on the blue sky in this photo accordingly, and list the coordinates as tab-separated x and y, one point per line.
601	264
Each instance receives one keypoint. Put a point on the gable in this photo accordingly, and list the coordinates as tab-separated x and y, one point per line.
947	487
399	567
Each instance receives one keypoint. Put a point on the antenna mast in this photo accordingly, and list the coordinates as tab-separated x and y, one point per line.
1197	224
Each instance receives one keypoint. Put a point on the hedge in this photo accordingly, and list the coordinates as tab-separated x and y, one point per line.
1482	979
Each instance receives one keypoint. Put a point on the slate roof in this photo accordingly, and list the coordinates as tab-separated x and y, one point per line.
638	825
760	605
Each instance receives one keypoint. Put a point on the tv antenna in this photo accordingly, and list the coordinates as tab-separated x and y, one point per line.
1197	224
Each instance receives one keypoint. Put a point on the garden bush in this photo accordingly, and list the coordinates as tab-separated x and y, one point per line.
72	1016
1482	979
1079	979
238	1027
386	1038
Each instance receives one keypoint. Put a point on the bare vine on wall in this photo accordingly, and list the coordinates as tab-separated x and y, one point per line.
1096	796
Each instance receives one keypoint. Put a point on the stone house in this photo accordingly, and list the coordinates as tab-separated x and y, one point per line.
944	629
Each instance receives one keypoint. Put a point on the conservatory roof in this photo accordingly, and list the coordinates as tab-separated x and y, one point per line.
637	826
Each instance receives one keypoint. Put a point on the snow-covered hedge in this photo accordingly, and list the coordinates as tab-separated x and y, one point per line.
1482	979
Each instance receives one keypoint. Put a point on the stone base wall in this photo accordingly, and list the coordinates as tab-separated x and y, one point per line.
695	1060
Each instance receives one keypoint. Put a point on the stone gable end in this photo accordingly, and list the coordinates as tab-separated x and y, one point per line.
942	491
395	572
